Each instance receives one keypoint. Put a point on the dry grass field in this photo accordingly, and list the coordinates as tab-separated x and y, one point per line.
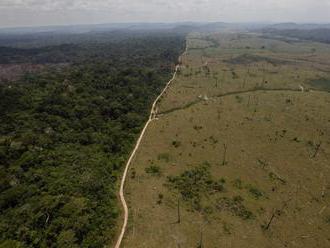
240	154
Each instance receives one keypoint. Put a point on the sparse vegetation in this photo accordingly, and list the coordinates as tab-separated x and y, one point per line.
235	206
193	184
327	219
176	143
133	173
197	128
154	170
164	156
321	83
239	99
276	178
160	198
227	228
237	183
256	193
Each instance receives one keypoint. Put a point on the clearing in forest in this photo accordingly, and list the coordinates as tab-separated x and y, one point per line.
239	156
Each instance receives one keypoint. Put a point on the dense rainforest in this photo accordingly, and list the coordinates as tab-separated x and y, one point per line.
67	128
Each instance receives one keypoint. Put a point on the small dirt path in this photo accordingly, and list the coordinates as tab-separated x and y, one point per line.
198	100
152	117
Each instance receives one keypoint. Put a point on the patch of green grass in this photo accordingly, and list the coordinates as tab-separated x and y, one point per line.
274	177
237	183
327	219
239	99
154	170
256	193
246	59
227	228
235	206
164	156
321	83
193	184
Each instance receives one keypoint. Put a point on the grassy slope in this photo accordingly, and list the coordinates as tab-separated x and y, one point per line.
270	167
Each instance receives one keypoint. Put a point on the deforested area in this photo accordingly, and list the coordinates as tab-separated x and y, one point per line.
239	154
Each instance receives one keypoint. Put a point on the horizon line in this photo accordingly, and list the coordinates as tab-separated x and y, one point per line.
157	22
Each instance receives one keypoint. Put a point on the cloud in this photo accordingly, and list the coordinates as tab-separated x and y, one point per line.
30	12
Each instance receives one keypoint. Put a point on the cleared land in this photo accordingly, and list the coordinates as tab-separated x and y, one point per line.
239	156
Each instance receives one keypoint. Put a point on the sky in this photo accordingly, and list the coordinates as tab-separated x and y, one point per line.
15	13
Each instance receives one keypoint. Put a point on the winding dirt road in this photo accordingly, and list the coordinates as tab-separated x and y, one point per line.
152	117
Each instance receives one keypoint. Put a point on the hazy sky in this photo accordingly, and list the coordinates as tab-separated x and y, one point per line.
54	12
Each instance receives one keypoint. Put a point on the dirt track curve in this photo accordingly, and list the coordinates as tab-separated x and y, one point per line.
152	117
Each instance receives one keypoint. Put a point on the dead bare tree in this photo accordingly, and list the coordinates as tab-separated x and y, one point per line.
244	82
318	146
263	74
224	154
245	78
270	221
200	245
248	104
47	219
275	213
179	213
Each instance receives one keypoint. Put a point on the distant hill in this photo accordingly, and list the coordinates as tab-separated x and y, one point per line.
26	37
292	25
79	29
318	35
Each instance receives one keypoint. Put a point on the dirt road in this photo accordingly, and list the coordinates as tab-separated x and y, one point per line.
152	117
